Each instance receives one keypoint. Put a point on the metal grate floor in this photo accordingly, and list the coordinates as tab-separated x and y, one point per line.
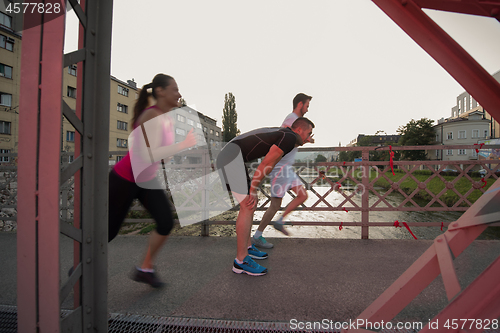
128	323
133	323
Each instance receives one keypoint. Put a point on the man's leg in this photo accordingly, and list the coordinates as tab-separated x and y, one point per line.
270	212
298	200
243	226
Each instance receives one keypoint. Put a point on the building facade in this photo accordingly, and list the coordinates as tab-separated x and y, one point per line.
467	129
374	140
467	104
204	127
121	111
10	78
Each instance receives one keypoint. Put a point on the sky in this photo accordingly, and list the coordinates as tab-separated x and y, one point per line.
364	73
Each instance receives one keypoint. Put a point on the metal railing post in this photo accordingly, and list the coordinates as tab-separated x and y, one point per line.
205	227
365	206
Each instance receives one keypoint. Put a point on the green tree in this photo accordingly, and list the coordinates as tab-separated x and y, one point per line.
229	118
416	133
182	102
320	158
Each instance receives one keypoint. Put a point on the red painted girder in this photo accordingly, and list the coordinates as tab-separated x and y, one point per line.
26	180
479	301
48	171
448	53
473	7
425	269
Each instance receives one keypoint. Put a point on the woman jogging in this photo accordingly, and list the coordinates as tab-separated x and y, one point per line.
134	177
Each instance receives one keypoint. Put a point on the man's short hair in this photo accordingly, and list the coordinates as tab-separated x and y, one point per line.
301	97
303	123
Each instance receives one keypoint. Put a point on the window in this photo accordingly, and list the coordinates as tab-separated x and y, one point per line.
198	125
211	131
449	152
5	20
459	105
5	99
6	43
4	158
71	92
122	108
485	133
181	118
462	152
122	91
465	104
475	133
180	131
470	102
121	143
70	136
122	125
437	153
449	136
5	71
204	129
190	122
216	133
119	158
474	153
5	127
462	135
72	70
437	137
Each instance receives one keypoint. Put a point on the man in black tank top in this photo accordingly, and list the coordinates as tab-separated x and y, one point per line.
271	144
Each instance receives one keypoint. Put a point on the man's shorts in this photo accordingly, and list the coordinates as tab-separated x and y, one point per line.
283	178
232	169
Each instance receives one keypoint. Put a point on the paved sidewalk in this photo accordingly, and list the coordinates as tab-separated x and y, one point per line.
308	279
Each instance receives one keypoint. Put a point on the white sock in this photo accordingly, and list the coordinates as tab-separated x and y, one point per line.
238	261
257	234
146	270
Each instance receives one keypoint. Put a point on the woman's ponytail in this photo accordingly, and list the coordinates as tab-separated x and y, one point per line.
142	103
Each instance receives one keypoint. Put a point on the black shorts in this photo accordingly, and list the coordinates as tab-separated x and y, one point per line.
232	169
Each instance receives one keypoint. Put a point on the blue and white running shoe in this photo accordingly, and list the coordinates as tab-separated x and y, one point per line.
256	253
249	267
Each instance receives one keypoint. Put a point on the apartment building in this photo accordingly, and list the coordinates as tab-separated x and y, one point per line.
122	100
467	129
204	127
467	104
10	77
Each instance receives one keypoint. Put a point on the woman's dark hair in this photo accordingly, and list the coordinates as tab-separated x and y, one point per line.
160	80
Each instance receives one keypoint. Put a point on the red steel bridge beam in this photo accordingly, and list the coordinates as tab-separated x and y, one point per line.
439	45
480	299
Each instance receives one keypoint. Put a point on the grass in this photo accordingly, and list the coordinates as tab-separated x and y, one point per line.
435	185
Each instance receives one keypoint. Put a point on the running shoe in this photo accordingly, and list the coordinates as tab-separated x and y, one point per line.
262	242
256	253
148	278
279	225
249	267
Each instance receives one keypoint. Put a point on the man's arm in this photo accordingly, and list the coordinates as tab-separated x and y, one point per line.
265	167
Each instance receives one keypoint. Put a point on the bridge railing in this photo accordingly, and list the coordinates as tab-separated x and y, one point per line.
361	187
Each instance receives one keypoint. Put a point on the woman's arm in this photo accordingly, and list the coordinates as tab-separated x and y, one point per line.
151	129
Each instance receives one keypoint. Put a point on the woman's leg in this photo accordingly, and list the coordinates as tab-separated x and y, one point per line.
121	195
157	203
